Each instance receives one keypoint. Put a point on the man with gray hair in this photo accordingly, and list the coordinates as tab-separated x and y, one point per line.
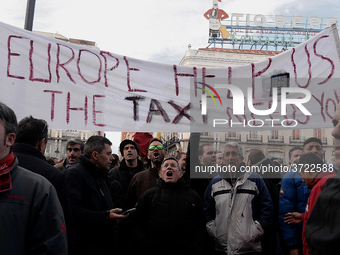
74	148
238	206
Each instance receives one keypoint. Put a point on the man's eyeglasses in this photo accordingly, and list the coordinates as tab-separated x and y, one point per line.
153	147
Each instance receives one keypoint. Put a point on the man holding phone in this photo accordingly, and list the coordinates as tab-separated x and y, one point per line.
94	214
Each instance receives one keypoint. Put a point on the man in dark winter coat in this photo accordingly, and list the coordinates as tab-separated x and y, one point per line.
129	166
91	201
29	147
32	220
169	218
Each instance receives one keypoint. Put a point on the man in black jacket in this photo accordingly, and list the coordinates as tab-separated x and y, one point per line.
94	215
169	218
129	166
29	147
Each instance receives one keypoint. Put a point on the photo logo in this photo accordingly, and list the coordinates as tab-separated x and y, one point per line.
204	98
273	104
238	100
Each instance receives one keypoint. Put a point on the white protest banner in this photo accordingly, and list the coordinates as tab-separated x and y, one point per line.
74	87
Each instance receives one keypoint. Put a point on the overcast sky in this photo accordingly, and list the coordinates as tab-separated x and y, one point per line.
151	30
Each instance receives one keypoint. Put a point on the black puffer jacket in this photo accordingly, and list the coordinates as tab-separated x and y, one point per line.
169	220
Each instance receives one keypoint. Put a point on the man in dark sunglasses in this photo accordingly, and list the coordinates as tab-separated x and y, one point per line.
74	148
147	179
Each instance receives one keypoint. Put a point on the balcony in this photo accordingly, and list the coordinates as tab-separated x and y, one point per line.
278	139
296	140
254	138
233	138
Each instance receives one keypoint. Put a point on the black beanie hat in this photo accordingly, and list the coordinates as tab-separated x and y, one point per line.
125	142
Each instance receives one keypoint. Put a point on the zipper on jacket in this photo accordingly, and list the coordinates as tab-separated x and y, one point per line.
101	192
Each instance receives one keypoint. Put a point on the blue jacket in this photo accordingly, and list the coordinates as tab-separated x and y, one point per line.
293	198
237	216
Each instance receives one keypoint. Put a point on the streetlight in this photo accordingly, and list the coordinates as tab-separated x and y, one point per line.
29	14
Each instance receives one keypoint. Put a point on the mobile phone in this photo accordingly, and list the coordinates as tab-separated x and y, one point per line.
128	211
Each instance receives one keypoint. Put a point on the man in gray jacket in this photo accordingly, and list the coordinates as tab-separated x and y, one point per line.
32	220
238	207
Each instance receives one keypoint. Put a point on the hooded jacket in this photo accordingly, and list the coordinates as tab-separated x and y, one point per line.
169	220
32	220
238	215
90	201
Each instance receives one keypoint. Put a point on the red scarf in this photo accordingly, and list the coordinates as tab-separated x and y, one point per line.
5	178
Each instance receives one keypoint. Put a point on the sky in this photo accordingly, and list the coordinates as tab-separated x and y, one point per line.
151	30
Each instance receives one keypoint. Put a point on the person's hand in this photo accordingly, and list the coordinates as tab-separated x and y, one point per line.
294	252
293	217
115	216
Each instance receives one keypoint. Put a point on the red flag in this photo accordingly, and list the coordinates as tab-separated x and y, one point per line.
143	139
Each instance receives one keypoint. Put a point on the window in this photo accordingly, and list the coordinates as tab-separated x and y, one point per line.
296	134
275	134
231	134
318	133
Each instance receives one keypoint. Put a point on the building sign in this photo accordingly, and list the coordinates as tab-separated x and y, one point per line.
274	32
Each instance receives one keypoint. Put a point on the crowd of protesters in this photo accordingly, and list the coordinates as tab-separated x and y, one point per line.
92	203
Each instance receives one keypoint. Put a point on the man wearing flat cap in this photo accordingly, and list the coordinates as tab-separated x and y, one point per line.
129	166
